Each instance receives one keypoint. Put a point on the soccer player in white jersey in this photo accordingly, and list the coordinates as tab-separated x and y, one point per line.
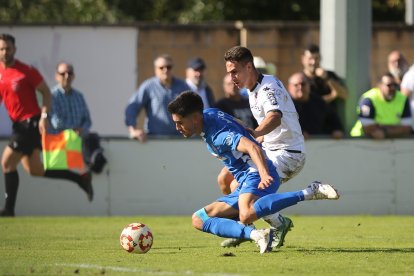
279	129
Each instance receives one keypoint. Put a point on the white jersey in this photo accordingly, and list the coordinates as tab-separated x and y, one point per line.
270	95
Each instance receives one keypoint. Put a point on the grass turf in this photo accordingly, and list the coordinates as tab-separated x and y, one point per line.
317	245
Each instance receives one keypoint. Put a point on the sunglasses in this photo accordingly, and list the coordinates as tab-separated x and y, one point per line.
299	83
70	73
390	85
168	67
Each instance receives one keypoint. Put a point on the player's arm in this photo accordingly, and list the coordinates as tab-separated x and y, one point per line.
46	102
258	157
272	120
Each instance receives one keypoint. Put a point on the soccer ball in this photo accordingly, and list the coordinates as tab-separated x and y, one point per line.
136	238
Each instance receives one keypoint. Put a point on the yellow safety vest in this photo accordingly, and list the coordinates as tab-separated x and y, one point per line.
386	112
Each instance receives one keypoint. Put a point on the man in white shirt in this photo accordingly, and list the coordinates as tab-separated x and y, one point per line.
195	74
279	129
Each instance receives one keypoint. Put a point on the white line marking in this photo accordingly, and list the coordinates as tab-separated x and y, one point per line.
148	271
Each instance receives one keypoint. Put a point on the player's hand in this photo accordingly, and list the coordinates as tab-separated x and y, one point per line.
260	139
43	123
79	131
265	181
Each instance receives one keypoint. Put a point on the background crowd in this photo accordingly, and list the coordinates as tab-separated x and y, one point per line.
316	92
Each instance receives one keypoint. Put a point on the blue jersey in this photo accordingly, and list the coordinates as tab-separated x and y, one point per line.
222	134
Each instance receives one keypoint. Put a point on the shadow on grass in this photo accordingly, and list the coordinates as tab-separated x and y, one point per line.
353	250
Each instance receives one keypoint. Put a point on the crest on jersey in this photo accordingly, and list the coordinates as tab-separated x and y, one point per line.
229	139
271	97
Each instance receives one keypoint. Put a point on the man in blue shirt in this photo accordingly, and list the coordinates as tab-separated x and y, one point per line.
153	95
69	108
255	197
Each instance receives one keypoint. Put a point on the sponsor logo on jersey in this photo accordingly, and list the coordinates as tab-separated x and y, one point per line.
229	139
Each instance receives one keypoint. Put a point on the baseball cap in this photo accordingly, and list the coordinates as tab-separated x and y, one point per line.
196	64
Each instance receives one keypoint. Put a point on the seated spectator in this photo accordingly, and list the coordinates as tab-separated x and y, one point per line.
397	66
316	117
234	104
383	111
153	95
195	78
322	82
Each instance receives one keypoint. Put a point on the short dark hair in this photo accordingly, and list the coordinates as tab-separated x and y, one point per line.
312	48
238	54
386	74
186	103
8	37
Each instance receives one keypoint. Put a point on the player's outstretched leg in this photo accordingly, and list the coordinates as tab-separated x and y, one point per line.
317	190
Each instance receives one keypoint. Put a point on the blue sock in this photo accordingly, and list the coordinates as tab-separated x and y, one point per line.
273	203
226	228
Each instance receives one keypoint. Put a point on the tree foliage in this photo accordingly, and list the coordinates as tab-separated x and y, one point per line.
176	11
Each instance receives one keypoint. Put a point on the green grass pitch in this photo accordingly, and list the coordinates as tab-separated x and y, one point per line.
317	245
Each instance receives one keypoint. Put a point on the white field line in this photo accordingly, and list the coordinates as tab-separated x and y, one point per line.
147	271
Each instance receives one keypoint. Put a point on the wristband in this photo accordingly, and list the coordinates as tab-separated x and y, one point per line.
44	115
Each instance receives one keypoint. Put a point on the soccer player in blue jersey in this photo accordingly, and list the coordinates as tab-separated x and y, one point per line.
255	197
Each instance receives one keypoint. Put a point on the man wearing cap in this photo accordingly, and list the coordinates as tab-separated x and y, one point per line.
195	80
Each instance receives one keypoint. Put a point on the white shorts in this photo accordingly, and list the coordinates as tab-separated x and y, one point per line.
288	164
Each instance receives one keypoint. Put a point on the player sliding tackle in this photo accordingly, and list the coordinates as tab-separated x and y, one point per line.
255	197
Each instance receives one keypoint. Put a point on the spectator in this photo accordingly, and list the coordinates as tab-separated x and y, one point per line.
234	104
153	95
316	117
322	82
69	108
70	111
397	66
407	88
195	78
18	86
384	112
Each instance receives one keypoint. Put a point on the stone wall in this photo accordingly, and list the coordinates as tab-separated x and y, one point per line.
280	43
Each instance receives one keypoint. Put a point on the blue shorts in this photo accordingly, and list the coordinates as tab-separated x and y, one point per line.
250	185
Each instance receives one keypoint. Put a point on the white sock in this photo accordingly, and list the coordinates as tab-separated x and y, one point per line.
254	235
307	193
275	220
